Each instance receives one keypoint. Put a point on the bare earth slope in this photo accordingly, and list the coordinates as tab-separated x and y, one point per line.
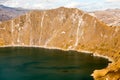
67	29
109	16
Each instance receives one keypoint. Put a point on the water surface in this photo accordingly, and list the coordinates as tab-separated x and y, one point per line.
45	64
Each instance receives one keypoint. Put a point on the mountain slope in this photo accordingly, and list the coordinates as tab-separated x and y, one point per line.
7	13
109	16
67	29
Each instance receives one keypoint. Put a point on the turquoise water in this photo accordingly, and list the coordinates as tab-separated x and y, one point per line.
44	64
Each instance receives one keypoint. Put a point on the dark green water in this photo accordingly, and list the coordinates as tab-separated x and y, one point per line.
44	64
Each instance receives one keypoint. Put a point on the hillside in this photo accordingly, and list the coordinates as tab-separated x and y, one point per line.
67	29
109	16
7	13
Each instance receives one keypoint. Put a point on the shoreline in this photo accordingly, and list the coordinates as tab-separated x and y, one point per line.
106	57
95	54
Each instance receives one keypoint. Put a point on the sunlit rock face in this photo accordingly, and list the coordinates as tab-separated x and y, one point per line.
68	29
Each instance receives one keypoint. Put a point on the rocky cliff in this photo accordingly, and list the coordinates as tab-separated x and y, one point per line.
68	29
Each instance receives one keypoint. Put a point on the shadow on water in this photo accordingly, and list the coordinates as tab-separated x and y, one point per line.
20	63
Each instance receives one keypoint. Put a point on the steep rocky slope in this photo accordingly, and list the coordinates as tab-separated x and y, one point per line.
109	16
67	29
7	13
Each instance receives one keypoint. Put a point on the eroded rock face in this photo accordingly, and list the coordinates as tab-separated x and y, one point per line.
68	29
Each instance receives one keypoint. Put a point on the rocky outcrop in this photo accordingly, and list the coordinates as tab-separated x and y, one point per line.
68	29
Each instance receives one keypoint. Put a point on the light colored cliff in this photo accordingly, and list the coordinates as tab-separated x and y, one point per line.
68	29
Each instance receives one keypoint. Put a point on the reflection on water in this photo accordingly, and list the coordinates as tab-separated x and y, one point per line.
44	64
